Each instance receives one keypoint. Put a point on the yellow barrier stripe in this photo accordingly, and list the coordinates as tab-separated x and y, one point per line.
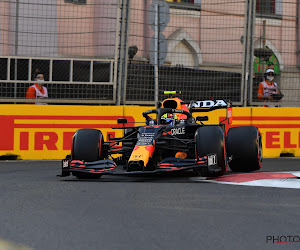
263	122
17	121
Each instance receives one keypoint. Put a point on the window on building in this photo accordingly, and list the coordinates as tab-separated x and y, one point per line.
269	7
185	3
76	1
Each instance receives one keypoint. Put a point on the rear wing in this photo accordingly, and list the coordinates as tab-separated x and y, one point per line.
208	105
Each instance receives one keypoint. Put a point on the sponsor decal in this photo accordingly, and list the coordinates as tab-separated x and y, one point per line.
65	163
146	138
142	153
178	131
181	155
209	104
211	160
229	115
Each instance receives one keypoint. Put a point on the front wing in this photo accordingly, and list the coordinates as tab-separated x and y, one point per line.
109	167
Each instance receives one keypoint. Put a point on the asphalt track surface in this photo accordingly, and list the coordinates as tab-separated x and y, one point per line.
41	211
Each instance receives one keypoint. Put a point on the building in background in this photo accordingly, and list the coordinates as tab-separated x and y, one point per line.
205	46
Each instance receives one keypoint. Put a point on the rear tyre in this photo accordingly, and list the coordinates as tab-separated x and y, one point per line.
211	140
244	146
87	146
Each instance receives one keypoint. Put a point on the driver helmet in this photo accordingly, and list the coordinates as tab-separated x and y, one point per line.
169	119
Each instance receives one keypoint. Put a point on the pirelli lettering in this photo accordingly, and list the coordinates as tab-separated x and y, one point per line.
26	134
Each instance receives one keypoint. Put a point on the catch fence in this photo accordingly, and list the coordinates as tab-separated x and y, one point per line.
130	51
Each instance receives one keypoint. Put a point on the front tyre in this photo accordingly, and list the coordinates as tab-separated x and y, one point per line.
244	147
211	140
87	146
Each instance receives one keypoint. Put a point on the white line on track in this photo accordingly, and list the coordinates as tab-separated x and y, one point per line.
278	183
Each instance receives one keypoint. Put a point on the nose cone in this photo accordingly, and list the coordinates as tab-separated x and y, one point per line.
141	154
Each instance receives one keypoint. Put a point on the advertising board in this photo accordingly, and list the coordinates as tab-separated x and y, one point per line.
40	132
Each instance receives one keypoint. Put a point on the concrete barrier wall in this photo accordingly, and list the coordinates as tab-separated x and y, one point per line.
37	132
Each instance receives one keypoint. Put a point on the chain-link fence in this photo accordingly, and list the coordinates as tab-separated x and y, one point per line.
191	46
130	51
277	33
72	42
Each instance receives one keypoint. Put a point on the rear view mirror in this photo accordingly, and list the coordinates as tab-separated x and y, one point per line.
122	120
202	118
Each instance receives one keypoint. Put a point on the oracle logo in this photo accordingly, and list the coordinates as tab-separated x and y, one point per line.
177	131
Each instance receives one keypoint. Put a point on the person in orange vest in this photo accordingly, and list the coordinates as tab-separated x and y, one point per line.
268	89
37	91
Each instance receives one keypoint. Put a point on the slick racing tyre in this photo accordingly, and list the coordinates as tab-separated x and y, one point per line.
244	147
87	146
211	140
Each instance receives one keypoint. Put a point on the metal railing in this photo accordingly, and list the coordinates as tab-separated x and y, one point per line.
68	80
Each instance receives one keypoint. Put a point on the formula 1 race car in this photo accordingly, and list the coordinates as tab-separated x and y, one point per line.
171	140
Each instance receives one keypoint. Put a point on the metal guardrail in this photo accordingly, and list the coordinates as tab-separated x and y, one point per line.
93	80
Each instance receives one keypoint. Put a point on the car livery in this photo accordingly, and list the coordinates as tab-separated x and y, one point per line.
166	144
